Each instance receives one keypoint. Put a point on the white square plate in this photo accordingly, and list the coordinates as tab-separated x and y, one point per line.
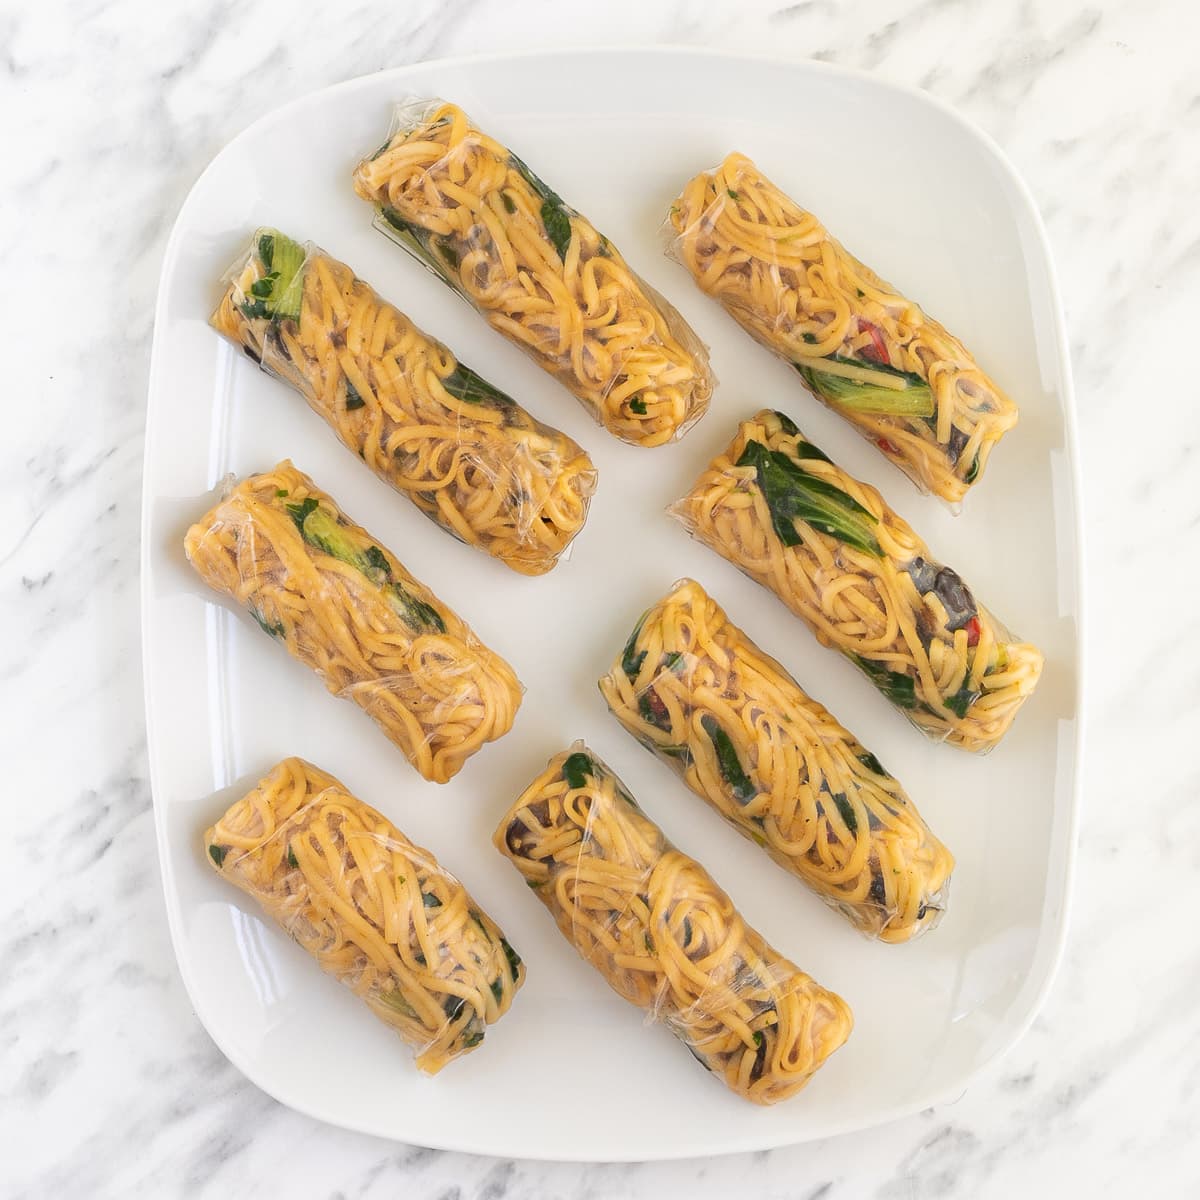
570	1072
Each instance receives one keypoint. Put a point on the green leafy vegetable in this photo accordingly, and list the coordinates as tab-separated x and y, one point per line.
631	658
869	761
394	1000
788	425
377	561
972	471
514	959
217	853
803	450
353	399
914	400
638	405
277	294
558	226
470	387
846	809
730	765
793	494
275	630
292	860
280	493
474	1037
556	216
961	701
576	769
453	1005
671	751
416	240
898	688
299	512
322	530
810	338
415	611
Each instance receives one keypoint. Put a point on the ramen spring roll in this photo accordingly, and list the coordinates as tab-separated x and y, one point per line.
539	272
376	911
872	355
695	690
466	454
664	936
344	605
838	557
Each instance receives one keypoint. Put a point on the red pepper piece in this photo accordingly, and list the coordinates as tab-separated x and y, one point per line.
877	351
886	446
973	629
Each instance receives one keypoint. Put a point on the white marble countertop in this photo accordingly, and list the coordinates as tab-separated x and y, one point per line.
109	1085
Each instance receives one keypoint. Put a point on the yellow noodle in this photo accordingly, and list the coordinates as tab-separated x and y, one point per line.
376	911
788	283
691	687
371	631
538	271
480	466
960	679
655	924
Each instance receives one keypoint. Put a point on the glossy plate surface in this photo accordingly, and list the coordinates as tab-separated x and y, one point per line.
571	1073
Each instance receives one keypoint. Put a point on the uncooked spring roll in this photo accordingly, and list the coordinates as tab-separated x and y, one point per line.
746	738
830	548
538	271
663	935
466	454
874	356
376	911
344	605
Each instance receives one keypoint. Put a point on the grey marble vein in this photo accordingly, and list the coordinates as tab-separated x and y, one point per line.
109	1086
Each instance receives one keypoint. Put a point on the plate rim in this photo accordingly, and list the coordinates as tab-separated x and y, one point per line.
1054	938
